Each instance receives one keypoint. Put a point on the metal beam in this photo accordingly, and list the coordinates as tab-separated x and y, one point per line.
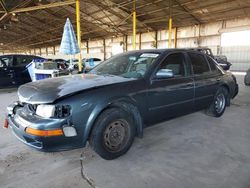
112	23
46	6
3	5
185	9
3	16
112	7
90	19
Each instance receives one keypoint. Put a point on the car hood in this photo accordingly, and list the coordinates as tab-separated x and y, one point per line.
49	90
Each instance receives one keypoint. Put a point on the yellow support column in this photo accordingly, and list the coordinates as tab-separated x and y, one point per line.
170	33
134	28
175	37
78	28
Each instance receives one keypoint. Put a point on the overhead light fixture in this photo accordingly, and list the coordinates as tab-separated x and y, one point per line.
204	10
14	19
13	14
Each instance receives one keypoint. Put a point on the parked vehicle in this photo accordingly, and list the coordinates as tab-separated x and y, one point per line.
247	78
90	63
74	63
221	59
13	71
61	64
119	98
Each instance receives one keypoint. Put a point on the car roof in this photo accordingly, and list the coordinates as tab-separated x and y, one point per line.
7	55
166	50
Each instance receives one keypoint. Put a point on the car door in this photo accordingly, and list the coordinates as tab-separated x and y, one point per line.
5	77
170	97
19	67
206	82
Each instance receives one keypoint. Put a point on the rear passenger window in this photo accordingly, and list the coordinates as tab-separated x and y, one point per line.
176	63
199	63
20	61
212	64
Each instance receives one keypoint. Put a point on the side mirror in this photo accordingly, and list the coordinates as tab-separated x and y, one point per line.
225	66
164	73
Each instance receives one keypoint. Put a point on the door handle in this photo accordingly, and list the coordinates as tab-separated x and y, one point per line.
218	79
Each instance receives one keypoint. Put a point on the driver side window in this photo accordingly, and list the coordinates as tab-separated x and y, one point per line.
175	63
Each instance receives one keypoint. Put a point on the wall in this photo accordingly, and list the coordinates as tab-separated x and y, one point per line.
205	35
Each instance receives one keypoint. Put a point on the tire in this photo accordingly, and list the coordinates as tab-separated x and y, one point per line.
247	78
113	133
218	106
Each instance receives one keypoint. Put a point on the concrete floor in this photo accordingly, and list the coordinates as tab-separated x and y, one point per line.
192	151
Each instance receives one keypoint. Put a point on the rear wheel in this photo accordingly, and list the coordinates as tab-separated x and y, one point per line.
219	103
113	133
247	78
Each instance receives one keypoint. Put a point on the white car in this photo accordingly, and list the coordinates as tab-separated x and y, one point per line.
90	63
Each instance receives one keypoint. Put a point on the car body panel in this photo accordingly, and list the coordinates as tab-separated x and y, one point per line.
49	90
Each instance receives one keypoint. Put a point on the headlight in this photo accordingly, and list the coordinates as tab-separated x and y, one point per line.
57	111
46	111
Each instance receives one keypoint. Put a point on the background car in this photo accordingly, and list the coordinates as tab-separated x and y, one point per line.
90	63
13	71
221	59
62	64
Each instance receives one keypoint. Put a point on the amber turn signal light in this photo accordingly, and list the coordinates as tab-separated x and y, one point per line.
46	133
6	124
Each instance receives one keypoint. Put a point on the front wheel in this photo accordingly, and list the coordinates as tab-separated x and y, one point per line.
113	133
219	103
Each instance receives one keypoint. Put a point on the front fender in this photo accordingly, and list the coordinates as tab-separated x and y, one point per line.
126	103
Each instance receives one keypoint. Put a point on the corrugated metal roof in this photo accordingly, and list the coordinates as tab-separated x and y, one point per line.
103	18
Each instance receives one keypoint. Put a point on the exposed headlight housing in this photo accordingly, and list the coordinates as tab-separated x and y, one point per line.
56	111
46	111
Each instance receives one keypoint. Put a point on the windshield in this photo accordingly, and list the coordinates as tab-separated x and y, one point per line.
129	65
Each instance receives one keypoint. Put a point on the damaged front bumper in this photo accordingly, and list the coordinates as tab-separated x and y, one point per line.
21	117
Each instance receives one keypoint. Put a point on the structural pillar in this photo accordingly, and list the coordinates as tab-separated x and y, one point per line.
156	39
104	49
139	41
78	28
126	43
175	37
54	50
134	27
87	46
170	32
